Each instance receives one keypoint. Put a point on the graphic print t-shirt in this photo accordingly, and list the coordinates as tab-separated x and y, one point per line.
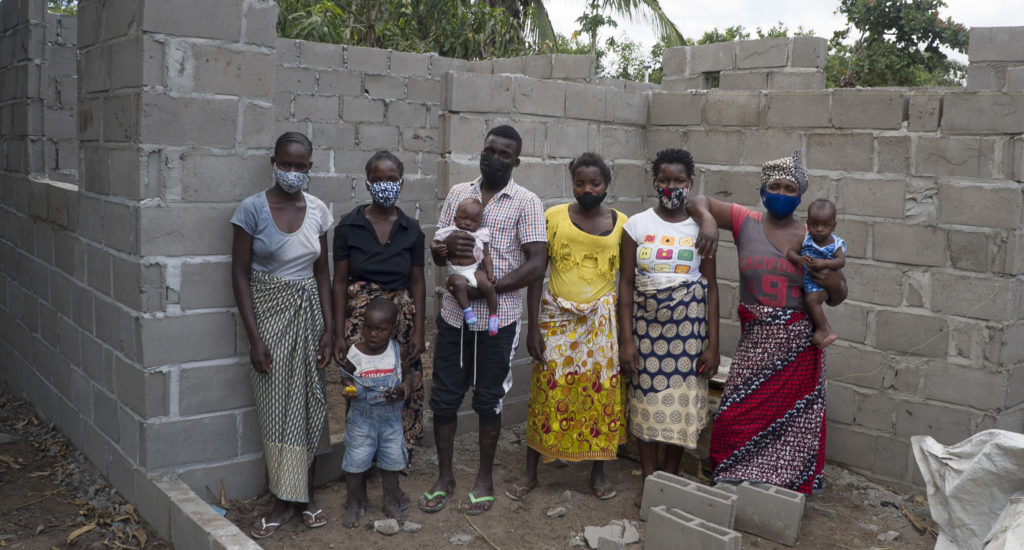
664	249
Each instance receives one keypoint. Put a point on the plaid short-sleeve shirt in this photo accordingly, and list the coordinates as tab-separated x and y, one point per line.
515	216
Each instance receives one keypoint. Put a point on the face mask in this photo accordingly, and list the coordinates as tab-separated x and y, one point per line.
385	193
780	206
589	200
672	197
494	170
290	182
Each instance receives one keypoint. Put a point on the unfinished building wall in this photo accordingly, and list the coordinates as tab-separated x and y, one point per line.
927	183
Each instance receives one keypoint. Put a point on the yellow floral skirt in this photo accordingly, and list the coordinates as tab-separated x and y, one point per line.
577	399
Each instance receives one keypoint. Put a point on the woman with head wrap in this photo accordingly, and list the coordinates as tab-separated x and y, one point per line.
770	426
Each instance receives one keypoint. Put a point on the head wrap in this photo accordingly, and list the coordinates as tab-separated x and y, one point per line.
789	168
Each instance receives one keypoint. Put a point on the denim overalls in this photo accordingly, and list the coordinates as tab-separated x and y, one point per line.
374	424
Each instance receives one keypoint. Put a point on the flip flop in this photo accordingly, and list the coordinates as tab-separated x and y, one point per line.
431	496
473	502
519	492
265	529
606	496
313	523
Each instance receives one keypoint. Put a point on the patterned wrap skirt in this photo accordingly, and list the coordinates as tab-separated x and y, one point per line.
770	426
359	295
668	401
291	401
576	408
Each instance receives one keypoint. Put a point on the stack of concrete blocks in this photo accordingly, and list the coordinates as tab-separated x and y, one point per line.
558	121
675	508
996	59
22	37
59	81
781	64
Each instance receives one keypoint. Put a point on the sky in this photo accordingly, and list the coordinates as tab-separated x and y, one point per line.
693	18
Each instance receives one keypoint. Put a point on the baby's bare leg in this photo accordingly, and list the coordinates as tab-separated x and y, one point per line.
484	284
823	335
458	285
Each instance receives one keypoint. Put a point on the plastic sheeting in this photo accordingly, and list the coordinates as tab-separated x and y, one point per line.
975	489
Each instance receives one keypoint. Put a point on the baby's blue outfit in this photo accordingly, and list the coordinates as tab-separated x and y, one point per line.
827	252
374	424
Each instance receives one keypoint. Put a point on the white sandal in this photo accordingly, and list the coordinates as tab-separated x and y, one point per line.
313	523
263	528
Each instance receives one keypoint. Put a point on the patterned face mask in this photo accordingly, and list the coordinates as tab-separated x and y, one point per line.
290	182
672	197
385	193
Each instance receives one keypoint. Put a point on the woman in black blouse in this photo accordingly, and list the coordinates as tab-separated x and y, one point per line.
378	251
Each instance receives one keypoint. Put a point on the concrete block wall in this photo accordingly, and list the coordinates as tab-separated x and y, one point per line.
785	64
58	80
996	57
928	189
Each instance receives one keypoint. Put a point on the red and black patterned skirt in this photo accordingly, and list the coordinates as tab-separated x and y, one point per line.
770	426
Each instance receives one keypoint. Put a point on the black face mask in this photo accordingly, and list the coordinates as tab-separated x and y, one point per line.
590	201
494	170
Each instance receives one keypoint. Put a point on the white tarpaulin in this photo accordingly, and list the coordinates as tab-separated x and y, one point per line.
975	489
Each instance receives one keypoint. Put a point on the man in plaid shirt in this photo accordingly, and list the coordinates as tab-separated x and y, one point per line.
464	354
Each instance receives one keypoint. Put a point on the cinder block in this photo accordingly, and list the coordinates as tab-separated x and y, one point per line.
567	66
372	137
948	424
881	109
797	110
186	229
210	336
631	107
808	51
320	108
673	61
986	76
907	332
219	70
767	511
565	139
850	446
546	179
971	386
537	66
794	80
621	142
871	197
983	112
988	204
218	178
144	393
214	388
338	82
205	285
893	153
686	83
876	410
668	527
422	89
261	24
743	80
910	244
976	297
370	60
538	97
242	479
174	443
296	79
840	151
588	102
1014	79
467	92
197	122
257	125
440	65
410	64
707	503
996	44
950	156
732	108
768	52
385	86
192	18
407	115
876	283
709	58
672	109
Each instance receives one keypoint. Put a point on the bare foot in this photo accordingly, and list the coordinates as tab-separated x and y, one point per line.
351	517
393	510
822	338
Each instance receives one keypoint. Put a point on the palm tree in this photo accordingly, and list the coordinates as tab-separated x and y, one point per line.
539	27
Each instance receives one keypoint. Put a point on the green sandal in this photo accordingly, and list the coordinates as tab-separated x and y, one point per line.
431	496
473	501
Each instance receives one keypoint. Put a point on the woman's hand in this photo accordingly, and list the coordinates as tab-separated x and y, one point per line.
340	350
535	344
259	355
708	362
415	349
629	357
324	350
707	237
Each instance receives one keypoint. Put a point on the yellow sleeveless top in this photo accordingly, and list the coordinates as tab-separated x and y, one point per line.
583	266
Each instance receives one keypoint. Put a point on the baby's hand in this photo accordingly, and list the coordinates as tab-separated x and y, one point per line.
810	262
441	248
402	392
492	279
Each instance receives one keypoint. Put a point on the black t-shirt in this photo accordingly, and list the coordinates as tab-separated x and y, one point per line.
389	264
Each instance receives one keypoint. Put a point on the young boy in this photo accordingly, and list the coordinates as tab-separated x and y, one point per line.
820	249
378	385
464	271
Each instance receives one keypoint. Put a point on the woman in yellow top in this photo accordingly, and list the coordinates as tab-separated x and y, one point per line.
576	409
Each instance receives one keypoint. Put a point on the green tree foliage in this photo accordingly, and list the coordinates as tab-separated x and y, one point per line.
630	62
898	44
540	31
69	7
454	28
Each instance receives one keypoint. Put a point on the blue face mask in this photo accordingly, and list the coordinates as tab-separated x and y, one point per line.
290	182
385	193
778	205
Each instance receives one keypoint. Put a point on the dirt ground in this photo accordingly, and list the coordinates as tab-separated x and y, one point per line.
852	513
52	496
